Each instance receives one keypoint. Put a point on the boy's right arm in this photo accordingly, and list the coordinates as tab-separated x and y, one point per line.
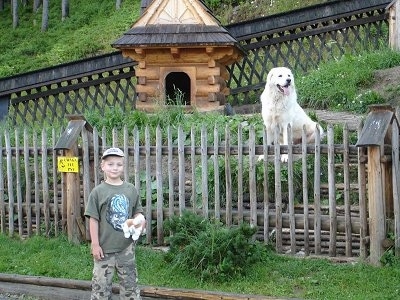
97	251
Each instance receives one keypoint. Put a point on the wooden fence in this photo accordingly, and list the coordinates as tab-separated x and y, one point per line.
314	204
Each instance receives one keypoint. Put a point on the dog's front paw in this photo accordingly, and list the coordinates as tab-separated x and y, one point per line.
284	158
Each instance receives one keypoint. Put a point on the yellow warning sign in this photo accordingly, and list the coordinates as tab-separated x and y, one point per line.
68	164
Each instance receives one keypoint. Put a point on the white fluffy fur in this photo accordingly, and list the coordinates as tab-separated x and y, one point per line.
279	107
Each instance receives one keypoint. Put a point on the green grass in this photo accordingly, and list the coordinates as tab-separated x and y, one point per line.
90	30
343	84
278	276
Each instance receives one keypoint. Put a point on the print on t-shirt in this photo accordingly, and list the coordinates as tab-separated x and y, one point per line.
117	211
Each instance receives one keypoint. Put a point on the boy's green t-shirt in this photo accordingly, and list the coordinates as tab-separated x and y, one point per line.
112	205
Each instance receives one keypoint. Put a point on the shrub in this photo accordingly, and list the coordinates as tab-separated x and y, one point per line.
210	250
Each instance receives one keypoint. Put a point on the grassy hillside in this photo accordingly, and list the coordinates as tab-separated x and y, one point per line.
93	26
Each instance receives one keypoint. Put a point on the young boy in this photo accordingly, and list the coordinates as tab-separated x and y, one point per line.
112	203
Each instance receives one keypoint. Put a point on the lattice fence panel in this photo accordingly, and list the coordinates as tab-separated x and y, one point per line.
51	103
303	48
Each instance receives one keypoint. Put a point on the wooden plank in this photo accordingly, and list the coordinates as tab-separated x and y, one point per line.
45	183
252	177
18	182
278	191
86	177
55	184
376	205
292	227
317	193
362	200
204	171
160	190
266	189
305	192
2	198
10	183
28	184
347	203
396	187
181	170
375	128
171	173
240	172
228	177
193	166
217	183
149	204
331	191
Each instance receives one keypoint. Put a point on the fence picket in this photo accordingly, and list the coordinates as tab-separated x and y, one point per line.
159	182
252	177
18	183
362	197
228	176
332	192
304	173
278	191
204	171
240	173
317	194
292	222
10	184
45	183
148	181
346	181
55	183
170	174
217	201
28	184
193	168
266	195
181	169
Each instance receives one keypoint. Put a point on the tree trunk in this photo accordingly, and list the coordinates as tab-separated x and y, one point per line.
36	5
45	15
118	4
64	9
15	13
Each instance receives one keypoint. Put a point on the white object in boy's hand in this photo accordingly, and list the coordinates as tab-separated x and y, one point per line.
133	227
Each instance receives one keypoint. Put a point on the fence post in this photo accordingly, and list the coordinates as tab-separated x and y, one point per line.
394	24
374	135
68	165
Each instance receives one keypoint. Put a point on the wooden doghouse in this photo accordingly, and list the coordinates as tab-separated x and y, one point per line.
182	53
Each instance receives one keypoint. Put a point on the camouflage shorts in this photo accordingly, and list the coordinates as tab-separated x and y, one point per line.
103	271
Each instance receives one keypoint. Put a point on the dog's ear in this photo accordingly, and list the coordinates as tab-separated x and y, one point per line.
269	76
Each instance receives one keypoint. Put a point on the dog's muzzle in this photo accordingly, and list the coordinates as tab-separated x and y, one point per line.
284	89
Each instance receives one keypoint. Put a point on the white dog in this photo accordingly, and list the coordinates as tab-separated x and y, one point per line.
279	108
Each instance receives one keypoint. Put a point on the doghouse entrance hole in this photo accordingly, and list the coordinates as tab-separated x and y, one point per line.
177	88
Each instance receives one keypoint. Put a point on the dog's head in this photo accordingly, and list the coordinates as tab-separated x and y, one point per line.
281	78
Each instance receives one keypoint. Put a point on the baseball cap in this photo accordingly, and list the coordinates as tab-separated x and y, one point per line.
113	152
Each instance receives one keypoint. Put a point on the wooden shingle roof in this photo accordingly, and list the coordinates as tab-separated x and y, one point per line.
172	35
176	23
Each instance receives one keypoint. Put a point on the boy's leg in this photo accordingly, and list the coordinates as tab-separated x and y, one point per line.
103	272
127	273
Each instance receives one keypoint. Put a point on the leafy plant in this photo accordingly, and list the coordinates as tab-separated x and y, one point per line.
211	250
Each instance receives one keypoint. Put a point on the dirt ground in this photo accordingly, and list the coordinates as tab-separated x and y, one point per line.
387	84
